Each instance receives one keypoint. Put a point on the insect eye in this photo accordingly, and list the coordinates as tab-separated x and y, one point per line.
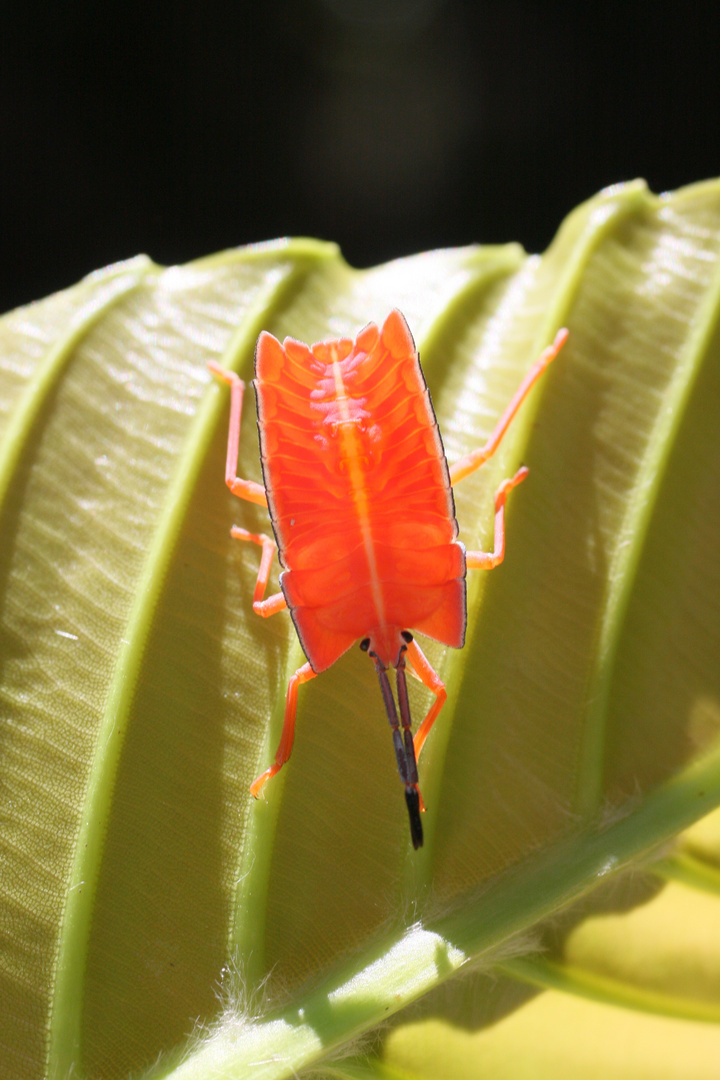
365	644
406	636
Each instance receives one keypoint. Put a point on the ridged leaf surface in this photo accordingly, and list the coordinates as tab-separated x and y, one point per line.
155	918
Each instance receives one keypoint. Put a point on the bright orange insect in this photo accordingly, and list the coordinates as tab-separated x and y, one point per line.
360	500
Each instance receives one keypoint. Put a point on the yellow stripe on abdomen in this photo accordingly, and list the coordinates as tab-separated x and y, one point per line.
351	454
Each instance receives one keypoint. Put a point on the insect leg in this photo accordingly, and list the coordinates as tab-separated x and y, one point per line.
244	489
485	560
276	602
302	675
427	675
476	458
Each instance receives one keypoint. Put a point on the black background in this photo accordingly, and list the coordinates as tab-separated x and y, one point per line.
390	126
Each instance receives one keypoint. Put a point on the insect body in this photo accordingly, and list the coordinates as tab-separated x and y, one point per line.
360	499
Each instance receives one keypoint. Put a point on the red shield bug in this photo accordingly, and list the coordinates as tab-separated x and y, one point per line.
360	500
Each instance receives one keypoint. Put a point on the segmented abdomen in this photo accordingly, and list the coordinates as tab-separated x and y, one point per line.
358	490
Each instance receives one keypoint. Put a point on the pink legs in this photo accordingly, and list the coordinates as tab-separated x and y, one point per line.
255	493
421	667
244	489
302	675
481	560
276	602
251	492
476	458
486	560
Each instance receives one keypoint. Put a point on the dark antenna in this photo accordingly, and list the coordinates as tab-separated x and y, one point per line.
412	793
402	741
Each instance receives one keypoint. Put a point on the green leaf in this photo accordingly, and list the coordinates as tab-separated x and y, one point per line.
154	918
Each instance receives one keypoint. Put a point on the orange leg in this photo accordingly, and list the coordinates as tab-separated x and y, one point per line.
276	602
476	458
485	560
419	663
244	489
249	490
284	750
425	673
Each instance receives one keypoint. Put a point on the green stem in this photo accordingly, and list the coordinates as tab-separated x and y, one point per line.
390	975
